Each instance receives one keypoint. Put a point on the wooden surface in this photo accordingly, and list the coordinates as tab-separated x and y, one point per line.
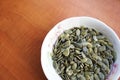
24	24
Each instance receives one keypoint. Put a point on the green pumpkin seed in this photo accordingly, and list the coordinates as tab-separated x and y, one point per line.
106	62
78	32
66	52
82	53
101	76
77	52
95	38
70	72
73	78
84	60
74	66
102	48
96	77
80	77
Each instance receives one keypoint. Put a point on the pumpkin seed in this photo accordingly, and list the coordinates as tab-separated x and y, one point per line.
96	77
74	66
66	52
70	72
84	60
82	53
95	38
73	78
78	32
101	76
81	77
102	48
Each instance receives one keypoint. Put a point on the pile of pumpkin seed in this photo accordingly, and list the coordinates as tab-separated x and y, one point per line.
82	53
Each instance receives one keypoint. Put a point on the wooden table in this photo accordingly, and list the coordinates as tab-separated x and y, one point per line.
24	24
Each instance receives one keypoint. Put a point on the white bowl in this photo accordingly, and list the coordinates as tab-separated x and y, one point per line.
53	34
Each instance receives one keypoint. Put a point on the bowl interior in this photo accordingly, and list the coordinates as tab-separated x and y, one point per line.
77	22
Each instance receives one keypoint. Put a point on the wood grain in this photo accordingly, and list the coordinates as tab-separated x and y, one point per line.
24	24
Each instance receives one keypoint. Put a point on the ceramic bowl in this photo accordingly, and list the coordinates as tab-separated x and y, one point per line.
89	22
